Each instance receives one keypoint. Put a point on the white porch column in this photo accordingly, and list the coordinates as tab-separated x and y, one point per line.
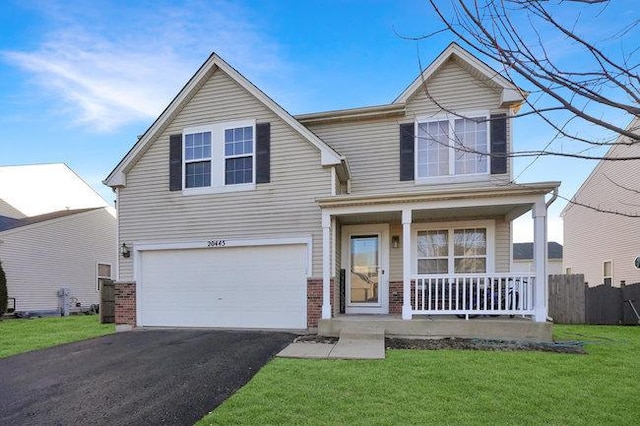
406	264
326	265
540	296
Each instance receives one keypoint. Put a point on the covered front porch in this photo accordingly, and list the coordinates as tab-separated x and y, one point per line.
407	261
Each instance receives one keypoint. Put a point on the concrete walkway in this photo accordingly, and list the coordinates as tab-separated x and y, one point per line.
354	343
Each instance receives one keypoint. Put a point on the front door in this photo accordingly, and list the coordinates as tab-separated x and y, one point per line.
366	259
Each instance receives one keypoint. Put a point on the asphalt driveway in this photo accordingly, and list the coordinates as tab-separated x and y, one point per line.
140	377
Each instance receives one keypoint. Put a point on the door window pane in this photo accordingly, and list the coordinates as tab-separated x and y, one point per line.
364	269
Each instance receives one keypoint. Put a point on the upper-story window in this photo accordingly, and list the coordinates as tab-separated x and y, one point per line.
197	159
452	146
219	157
238	151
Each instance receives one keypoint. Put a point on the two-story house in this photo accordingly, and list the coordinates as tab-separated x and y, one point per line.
233	213
601	233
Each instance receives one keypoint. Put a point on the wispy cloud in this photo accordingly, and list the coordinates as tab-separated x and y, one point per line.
107	75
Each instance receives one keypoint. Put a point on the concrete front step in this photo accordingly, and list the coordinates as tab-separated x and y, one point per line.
360	342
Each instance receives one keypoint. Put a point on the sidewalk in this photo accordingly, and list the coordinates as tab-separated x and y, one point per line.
355	343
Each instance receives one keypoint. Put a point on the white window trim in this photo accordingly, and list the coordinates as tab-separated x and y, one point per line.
218	158
489	225
450	178
98	276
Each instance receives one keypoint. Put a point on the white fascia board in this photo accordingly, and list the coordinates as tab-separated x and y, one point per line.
328	155
455	50
116	179
118	176
509	97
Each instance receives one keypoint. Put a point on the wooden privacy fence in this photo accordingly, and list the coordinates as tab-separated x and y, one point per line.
572	301
107	302
567	299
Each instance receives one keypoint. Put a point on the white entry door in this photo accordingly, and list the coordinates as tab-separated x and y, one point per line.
365	255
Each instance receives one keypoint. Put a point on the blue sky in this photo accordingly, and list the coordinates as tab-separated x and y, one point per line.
79	80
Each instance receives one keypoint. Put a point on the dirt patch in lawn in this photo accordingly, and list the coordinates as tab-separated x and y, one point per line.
485	345
573	347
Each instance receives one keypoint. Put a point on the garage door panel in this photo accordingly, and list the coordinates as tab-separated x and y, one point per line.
247	287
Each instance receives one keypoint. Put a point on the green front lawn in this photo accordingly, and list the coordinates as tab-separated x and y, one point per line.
23	335
452	387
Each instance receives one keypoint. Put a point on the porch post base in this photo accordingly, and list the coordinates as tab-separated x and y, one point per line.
406	312
326	311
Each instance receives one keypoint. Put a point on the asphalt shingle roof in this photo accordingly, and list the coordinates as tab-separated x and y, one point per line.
524	251
7	223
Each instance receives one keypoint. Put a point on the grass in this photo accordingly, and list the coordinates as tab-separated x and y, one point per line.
23	335
452	387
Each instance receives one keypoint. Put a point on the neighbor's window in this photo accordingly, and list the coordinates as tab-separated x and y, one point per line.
607	272
455	146
457	251
197	156
238	153
103	273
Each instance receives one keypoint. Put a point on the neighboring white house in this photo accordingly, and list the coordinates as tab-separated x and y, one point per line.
34	189
55	232
523	258
237	214
604	246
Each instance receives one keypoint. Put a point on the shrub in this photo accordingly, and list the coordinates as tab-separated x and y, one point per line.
4	297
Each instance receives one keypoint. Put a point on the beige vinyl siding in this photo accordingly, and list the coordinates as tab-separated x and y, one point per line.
503	245
41	258
285	207
395	254
372	147
592	237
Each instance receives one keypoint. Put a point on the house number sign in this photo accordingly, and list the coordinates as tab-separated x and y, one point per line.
216	243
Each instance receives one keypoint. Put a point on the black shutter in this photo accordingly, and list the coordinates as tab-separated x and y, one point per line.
263	152
175	163
407	144
498	144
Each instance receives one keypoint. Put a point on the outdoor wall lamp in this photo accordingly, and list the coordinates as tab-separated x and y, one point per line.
395	241
124	250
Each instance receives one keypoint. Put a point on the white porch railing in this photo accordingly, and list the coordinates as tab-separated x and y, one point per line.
469	295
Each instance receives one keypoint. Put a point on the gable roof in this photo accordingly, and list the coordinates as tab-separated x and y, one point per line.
510	94
524	251
35	189
118	176
634	125
6	225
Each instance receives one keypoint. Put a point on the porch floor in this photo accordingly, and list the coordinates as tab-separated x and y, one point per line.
438	327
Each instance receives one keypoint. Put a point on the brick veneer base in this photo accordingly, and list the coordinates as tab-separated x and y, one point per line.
314	301
125	303
395	297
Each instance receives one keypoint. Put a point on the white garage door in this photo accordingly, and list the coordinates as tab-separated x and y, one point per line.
238	287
